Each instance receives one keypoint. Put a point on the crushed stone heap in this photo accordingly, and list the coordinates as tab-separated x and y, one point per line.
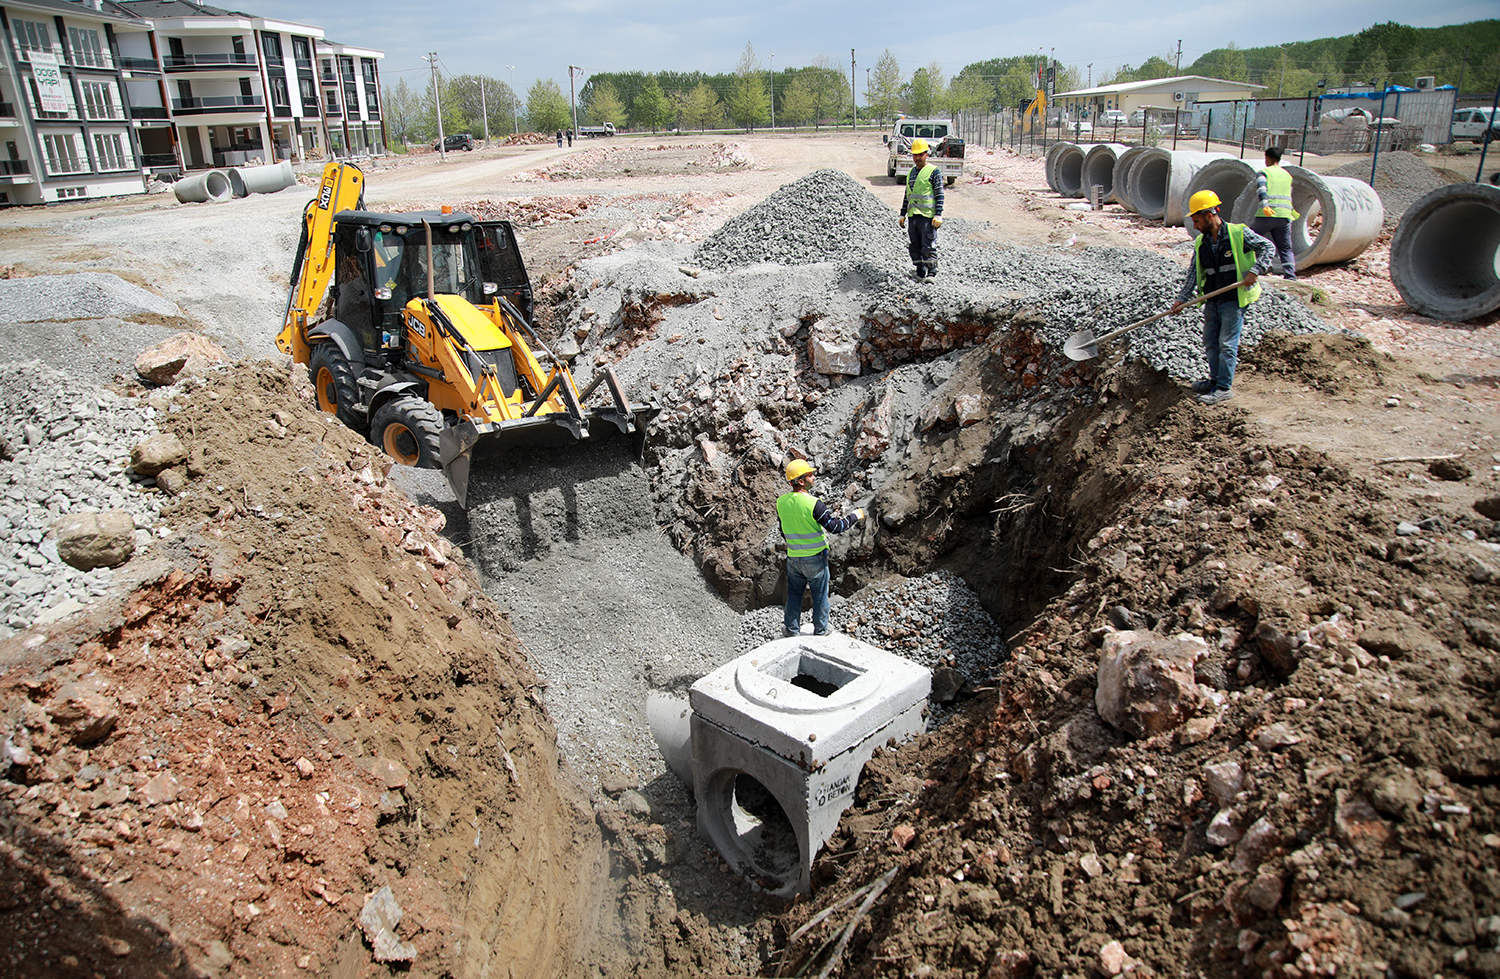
819	218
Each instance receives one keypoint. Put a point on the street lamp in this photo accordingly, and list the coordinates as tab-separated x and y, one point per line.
572	94
515	119
773	89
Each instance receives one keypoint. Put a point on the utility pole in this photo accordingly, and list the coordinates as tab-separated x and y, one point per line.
1178	69
573	95
854	102
1091	74
515	119
438	106
1282	81
773	89
484	110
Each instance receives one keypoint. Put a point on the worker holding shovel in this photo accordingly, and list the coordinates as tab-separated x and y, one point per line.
1224	255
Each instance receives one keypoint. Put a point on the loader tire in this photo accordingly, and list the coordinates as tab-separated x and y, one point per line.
333	383
407	429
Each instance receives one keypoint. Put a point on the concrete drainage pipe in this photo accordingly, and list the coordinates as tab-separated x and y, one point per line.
1052	153
207	187
1185	165
244	181
1445	257
1068	169
1124	172
1338	216
1099	168
1227	178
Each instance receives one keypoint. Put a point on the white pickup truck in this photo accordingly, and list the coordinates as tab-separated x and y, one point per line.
946	149
1475	124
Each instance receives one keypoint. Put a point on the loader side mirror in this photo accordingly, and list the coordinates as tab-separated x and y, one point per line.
886	139
490	288
362	239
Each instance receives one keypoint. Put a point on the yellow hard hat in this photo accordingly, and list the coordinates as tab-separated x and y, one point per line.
918	145
1202	201
796	469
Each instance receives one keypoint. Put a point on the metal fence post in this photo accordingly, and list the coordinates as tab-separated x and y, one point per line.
1484	144
1379	125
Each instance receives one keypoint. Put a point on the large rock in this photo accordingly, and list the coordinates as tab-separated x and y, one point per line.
378	920
95	540
157	453
833	357
1145	681
83	713
875	429
185	353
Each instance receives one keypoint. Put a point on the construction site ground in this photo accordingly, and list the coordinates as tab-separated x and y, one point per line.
322	678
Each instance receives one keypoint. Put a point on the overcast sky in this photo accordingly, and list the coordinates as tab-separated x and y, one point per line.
542	38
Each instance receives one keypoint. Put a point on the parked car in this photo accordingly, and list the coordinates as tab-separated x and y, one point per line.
1079	128
456	141
1112	117
1475	124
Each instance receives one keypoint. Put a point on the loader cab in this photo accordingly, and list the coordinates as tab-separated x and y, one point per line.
500	263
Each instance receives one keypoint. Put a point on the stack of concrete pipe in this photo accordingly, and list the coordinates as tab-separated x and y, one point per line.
207	187
1099	169
244	181
1446	252
1051	159
1338	217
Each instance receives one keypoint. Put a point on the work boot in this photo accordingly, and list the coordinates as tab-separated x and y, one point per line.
1214	397
1202	387
931	270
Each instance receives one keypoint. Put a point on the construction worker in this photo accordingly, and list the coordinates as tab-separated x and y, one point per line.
804	518
1223	254
923	205
1273	185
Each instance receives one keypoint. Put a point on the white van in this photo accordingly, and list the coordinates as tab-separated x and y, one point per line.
1475	124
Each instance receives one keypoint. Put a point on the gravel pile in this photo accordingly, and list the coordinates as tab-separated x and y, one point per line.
79	296
818	218
70	444
1401	179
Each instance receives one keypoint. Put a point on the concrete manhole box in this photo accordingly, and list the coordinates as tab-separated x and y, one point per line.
779	736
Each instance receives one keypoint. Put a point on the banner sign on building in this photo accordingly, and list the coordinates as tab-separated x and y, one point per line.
49	81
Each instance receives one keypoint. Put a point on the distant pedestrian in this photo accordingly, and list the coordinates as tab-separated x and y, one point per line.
1223	254
570	138
804	518
922	210
1273	185
559	139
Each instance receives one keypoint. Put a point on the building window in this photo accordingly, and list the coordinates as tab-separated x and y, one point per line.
279	97
62	153
368	65
86	49
302	51
109	151
32	36
271	44
309	91
99	100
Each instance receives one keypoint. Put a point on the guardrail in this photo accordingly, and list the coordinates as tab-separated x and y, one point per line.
218	103
207	62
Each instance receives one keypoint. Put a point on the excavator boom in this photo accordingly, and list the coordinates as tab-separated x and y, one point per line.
341	189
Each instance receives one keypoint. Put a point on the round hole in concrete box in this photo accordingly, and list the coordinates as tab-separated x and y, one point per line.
760	832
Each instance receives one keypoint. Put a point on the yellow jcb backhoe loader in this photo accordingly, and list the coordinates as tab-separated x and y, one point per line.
425	342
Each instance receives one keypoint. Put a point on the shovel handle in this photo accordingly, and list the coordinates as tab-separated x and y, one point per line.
1152	319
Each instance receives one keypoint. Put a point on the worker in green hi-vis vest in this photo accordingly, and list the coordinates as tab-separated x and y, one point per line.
1273	186
922	210
804	518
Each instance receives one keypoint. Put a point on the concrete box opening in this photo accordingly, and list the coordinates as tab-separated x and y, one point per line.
816	674
755	834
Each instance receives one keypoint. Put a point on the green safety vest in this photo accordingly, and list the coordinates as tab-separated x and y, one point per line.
803	533
1279	192
1243	262
921	199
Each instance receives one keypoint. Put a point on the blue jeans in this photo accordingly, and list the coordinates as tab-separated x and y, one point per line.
807	572
1223	319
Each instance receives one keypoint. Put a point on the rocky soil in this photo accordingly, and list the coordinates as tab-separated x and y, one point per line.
316	679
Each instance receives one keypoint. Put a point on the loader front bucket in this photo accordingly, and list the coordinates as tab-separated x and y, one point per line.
470	445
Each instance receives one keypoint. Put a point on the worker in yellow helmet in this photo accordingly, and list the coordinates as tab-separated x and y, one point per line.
1273	188
804	518
1223	254
922	210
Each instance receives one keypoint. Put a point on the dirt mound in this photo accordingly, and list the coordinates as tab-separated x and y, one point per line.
1329	362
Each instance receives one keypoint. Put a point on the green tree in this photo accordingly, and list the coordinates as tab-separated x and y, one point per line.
604	105
1154	67
830	89
401	112
799	105
885	86
967	92
546	107
703	108
650	108
749	102
1374	68
923	93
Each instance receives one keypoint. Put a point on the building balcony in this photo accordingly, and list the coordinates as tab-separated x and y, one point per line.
304	64
141	66
99	62
218	103
149	112
334	111
41	116
175	63
15	168
158	161
281	111
310	108
106	113
275	61
61	168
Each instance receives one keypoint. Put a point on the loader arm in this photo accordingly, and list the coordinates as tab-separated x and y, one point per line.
341	189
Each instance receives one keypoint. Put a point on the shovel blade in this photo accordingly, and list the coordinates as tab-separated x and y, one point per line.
1082	345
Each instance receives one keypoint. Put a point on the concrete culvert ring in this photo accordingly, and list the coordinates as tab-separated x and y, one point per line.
1226	178
751	829
1445	256
1069	171
1050	165
1339	217
1149	179
1099	168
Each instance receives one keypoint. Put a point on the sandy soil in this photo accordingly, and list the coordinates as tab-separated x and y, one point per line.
314	698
